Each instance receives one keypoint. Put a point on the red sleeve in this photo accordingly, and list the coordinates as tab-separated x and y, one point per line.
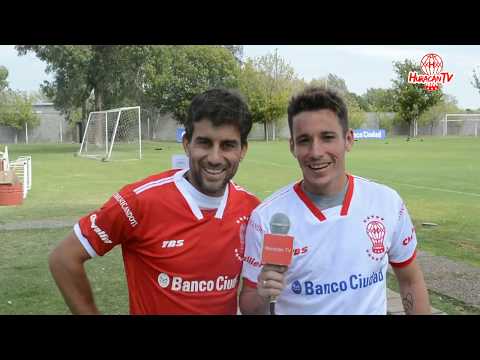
406	262
113	223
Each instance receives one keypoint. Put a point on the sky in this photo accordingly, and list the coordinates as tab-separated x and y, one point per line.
361	66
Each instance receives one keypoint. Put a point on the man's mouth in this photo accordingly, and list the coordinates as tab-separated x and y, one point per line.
213	172
319	167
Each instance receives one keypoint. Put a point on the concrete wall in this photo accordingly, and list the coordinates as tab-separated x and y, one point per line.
164	128
7	135
53	128
280	129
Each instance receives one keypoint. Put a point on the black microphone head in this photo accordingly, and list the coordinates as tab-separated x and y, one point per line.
279	224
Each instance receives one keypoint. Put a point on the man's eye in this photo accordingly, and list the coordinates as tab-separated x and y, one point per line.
230	145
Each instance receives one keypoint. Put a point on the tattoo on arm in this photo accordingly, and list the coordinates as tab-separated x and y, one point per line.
408	303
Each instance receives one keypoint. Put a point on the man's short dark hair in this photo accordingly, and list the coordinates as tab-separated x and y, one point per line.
221	107
318	98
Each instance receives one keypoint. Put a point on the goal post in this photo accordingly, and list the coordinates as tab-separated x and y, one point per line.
114	134
461	124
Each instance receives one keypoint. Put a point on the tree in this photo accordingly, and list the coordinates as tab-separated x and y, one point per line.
237	52
111	73
447	104
336	82
380	100
16	110
252	86
3	78
15	107
411	100
268	82
69	63
361	101
476	80
40	96
356	115
175	74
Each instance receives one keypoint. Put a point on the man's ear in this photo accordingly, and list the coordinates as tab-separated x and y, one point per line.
349	140
292	148
243	151
186	145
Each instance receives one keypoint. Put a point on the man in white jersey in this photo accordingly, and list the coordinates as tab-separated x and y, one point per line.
346	229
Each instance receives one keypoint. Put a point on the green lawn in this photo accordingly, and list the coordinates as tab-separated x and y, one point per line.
26	286
438	178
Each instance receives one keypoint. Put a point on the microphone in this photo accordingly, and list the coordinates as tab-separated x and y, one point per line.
277	246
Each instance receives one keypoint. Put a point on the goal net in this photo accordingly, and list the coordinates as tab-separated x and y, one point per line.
114	134
461	125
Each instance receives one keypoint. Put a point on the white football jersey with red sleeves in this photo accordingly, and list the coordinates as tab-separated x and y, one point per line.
341	254
178	258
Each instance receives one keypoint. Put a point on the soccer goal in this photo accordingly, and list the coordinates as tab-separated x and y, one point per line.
114	134
461	124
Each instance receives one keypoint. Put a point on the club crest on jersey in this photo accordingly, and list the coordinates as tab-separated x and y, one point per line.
376	231
242	221
297	287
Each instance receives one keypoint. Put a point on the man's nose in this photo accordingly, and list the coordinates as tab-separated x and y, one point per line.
317	149
215	155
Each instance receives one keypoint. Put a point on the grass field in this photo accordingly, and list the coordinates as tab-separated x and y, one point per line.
438	178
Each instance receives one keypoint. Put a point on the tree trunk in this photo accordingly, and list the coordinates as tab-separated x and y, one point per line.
83	122
273	131
265	130
84	111
98	99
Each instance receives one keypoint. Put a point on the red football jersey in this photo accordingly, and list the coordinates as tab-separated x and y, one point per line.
178	259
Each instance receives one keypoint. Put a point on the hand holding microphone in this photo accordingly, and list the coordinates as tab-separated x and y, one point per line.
276	256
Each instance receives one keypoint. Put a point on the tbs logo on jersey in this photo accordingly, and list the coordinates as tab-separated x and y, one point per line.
172	243
376	231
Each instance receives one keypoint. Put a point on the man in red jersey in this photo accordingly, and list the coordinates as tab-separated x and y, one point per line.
181	231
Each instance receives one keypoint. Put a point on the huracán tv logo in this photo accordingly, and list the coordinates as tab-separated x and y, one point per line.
432	66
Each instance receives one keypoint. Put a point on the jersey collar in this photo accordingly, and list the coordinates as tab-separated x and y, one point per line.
182	186
316	211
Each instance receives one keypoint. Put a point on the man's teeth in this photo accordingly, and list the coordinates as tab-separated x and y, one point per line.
214	172
319	167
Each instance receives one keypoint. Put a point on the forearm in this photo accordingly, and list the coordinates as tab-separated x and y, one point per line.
73	283
415	298
252	304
